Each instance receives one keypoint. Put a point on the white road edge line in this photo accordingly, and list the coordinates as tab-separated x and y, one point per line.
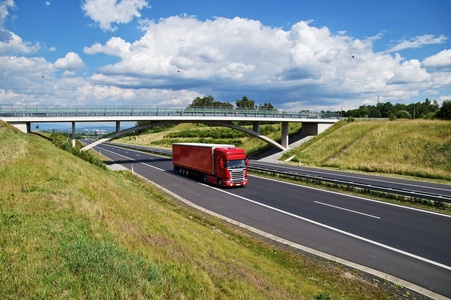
342	208
357	197
343	175
345	262
317	223
159	169
338	230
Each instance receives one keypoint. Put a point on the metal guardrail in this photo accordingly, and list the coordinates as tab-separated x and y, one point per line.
402	192
110	111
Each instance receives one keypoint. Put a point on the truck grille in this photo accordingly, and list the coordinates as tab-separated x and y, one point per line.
237	175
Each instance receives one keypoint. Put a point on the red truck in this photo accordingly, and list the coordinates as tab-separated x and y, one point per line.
224	165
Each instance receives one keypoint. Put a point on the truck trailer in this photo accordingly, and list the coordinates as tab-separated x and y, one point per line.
223	165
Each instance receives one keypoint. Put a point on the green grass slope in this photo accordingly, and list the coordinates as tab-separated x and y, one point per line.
420	148
70	230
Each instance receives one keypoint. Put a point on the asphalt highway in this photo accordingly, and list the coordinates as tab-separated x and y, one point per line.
410	244
395	183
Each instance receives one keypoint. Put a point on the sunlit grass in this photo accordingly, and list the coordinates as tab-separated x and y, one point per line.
69	229
420	148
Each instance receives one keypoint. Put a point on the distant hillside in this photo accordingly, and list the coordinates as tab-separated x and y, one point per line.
70	230
419	148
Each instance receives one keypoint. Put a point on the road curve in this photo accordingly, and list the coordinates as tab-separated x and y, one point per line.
411	244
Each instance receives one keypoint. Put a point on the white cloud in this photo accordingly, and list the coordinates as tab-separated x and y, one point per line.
418	42
97	94
180	58
409	72
4	6
440	61
232	57
47	3
11	43
109	12
71	62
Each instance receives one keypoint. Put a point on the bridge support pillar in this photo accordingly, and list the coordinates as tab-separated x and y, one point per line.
24	127
118	126
73	134
285	137
314	128
256	127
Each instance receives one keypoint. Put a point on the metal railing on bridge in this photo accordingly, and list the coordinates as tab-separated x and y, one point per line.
111	111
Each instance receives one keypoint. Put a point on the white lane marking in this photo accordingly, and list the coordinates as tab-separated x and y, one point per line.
342	208
320	224
337	230
136	160
357	197
343	175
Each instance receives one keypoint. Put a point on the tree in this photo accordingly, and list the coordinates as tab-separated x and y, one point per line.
245	103
404	114
209	101
266	106
445	111
385	109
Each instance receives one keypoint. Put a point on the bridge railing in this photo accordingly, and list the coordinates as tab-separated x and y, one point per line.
112	111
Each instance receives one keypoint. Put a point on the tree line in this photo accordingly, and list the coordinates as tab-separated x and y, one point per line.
426	110
245	102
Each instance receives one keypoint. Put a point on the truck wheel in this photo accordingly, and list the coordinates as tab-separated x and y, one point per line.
219	181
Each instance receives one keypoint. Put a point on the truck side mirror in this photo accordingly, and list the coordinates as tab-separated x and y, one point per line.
221	163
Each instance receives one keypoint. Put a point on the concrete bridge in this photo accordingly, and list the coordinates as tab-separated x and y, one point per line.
22	117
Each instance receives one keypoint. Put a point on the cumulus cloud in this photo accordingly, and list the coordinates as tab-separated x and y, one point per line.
71	62
232	57
94	93
5	5
10	43
439	61
418	42
180	58
109	12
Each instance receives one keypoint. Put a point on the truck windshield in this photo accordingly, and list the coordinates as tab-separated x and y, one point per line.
234	164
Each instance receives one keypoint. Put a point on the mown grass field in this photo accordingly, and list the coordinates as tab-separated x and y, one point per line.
70	230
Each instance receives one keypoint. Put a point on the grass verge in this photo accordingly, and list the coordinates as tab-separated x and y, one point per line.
69	229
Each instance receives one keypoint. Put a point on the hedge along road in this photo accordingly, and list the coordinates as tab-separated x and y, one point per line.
412	245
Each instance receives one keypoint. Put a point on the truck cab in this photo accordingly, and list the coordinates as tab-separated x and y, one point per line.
231	167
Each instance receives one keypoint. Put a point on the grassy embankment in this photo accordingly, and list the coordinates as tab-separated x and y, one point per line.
69	229
420	148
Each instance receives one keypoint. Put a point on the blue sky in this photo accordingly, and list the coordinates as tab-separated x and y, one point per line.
295	54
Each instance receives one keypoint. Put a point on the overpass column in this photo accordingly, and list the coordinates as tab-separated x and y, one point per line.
118	126
73	134
24	127
285	130
256	127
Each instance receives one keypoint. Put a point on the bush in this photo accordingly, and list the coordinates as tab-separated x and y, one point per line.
445	111
404	114
350	119
65	144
